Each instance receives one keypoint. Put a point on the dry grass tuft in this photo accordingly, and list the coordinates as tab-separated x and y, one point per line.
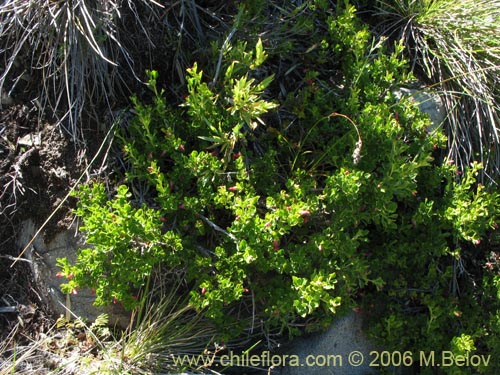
454	46
164	329
72	49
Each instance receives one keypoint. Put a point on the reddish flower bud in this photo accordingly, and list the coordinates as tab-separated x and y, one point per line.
304	212
203	291
276	245
59	274
163	219
268	224
357	310
233	188
236	155
182	148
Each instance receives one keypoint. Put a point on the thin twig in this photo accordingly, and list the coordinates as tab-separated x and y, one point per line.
219	229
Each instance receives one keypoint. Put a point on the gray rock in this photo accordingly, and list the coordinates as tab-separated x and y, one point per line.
6	100
43	258
342	349
428	101
30	139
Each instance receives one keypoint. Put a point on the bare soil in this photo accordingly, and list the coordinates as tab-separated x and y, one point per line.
38	166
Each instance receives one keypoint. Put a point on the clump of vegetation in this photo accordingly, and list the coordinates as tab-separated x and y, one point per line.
80	59
286	203
163	334
290	184
454	48
74	47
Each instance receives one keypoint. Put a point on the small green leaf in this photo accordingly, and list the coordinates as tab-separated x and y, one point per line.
260	55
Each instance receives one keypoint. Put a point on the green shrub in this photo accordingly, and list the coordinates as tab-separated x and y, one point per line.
284	218
127	242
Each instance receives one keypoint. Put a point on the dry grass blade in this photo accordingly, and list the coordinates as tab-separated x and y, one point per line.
25	359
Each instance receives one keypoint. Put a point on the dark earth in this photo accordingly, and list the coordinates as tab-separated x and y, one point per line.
38	166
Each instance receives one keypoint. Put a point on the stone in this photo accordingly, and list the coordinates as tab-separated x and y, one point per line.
30	140
342	349
42	258
428	101
6	100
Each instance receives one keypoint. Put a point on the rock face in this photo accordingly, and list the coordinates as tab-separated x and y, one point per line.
342	349
43	257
